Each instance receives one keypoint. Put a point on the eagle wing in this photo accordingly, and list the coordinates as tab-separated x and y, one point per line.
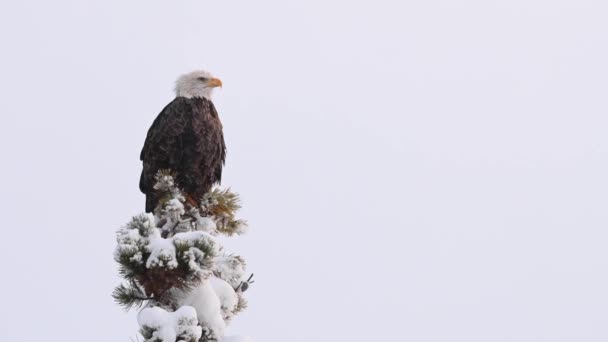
213	143
186	137
164	145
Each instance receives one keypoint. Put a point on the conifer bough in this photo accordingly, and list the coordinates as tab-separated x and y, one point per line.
175	268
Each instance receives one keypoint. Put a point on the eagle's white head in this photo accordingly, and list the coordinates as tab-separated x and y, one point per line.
199	83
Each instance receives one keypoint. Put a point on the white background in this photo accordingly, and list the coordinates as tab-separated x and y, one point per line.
411	170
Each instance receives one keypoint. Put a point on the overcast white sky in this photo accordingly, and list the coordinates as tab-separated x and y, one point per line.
411	170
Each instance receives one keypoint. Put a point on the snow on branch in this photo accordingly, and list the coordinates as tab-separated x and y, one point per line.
159	325
222	206
175	268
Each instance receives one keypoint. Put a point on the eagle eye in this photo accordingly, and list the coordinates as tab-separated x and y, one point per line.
203	79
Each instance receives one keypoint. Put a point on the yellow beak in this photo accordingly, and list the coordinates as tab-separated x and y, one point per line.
215	82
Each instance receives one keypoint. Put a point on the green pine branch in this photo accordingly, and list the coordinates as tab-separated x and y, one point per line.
129	296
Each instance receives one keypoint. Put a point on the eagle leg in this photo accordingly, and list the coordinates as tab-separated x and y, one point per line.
193	202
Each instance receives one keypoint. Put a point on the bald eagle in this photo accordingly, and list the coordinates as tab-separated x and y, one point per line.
187	138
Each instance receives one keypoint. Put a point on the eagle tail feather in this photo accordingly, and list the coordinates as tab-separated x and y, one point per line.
151	203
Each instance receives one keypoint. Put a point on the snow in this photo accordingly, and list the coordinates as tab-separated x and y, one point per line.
137	258
195	257
230	268
192	237
169	326
162	252
129	239
205	224
208	306
214	301
226	295
175	208
128	242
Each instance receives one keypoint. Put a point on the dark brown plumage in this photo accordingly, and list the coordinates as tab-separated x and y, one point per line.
186	138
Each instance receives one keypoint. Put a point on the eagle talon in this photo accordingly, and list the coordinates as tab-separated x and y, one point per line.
190	200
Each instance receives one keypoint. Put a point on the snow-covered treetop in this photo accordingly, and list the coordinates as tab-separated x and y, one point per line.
174	265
